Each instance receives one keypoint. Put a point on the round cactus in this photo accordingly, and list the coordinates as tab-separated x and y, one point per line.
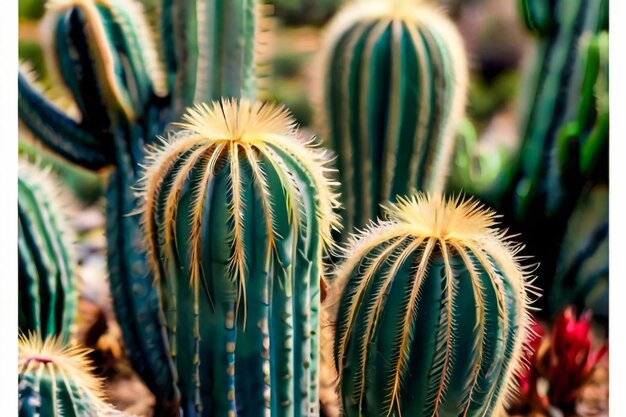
393	81
57	381
430	311
46	259
238	211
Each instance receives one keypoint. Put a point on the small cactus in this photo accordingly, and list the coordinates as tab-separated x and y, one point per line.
46	259
57	381
430	311
393	82
238	210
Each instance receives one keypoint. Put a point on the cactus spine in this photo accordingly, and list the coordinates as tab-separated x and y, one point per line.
56	381
430	309
394	79
46	261
102	53
237	213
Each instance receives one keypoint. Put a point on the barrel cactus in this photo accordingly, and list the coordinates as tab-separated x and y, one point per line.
238	212
56	380
393	81
430	310
125	91
46	260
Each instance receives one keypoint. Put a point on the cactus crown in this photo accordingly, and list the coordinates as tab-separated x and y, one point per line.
233	133
68	364
435	235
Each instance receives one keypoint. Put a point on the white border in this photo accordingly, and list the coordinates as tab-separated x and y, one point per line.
8	206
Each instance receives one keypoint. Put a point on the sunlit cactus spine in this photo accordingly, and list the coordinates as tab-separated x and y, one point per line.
430	310
56	380
127	87
393	80
559	77
46	260
238	213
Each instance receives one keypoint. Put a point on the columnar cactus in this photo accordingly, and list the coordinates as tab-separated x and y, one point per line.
57	381
238	211
430	310
554	87
582	272
393	80
103	54
46	259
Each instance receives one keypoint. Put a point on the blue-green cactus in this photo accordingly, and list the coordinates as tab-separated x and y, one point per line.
238	210
430	312
393	85
46	260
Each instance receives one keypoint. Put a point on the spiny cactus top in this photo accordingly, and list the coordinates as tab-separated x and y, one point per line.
393	79
237	212
430	309
47	276
57	381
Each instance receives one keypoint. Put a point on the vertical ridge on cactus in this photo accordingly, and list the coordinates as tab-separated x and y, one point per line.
46	259
392	85
238	211
430	310
56	380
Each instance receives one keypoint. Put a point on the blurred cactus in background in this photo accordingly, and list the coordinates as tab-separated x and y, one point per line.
582	274
46	259
430	310
238	210
56	381
103	54
393	85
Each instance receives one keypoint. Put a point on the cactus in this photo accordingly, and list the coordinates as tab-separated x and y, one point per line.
554	88
430	311
238	211
393	85
582	272
57	381
46	259
102	53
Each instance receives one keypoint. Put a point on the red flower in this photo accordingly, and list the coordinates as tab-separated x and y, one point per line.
570	359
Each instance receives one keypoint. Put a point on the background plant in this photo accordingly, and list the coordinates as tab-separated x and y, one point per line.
46	260
393	79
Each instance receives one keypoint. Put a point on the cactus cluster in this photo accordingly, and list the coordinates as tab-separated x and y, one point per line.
430	310
393	86
238	210
46	260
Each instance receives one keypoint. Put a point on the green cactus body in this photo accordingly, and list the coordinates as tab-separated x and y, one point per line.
554	87
394	79
102	53
582	273
430	312
56	381
46	262
237	213
212	49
